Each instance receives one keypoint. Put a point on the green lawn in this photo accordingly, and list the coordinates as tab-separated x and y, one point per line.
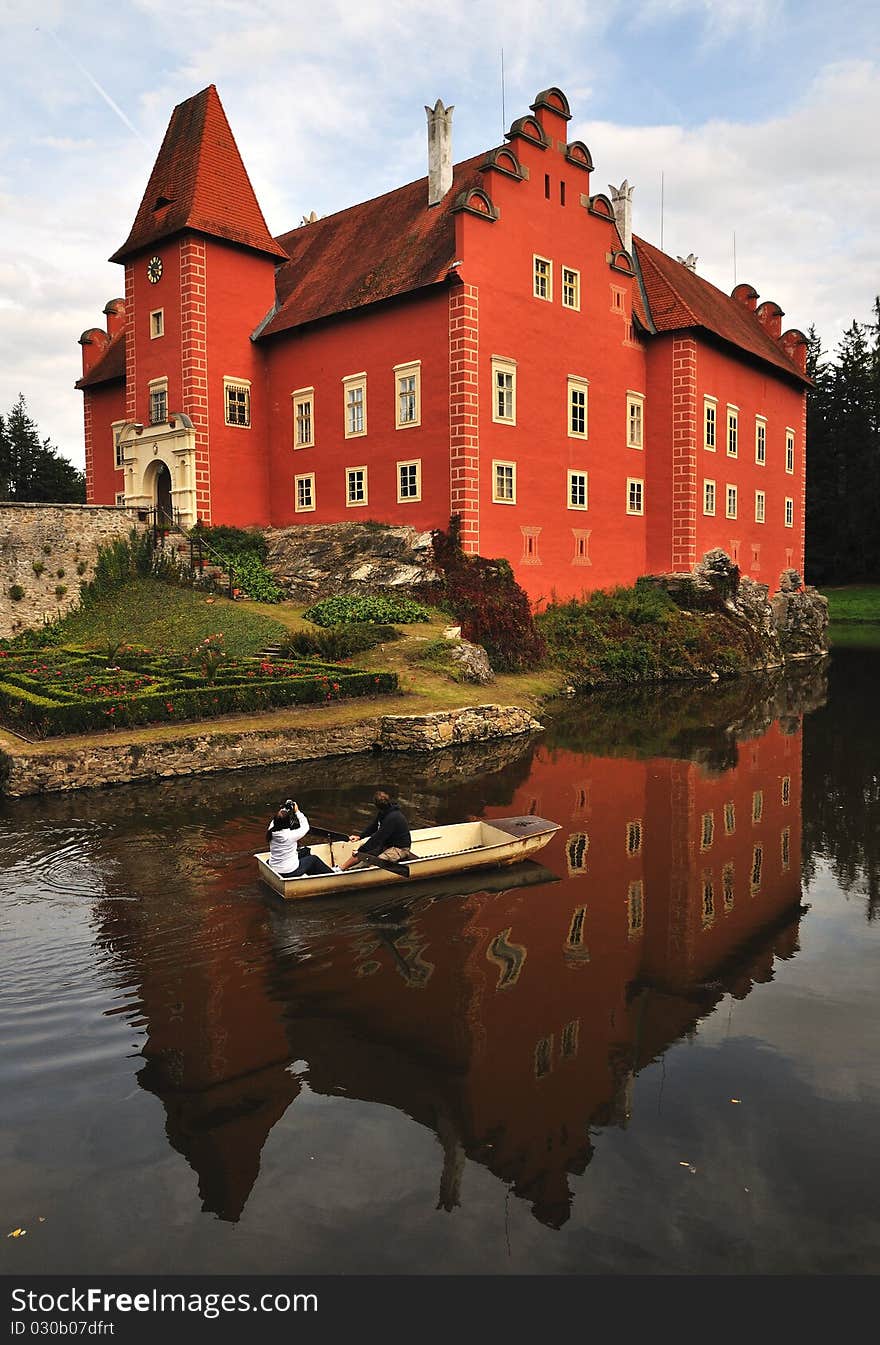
169	619
856	602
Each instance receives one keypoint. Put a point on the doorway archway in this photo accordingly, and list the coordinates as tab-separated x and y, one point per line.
162	496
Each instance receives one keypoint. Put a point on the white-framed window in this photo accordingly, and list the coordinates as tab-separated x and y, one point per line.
757	806
634	838
542	278
407	394
757	865
409	481
635	495
729	819
157	323
727	877
710	423
785	848
503	390
578	490
354	405
120	497
707	912
731	501
118	450
789	451
576	849
786	790
304	487
635	420
503	482
789	512
707	831
635	908
530	546
708	496
303	417
760	504
237	402
732	431
760	440
158	400
356	486
578	407
571	288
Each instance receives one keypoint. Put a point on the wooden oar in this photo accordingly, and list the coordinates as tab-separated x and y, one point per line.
402	870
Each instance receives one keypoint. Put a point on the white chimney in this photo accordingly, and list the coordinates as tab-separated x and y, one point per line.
621	199
439	151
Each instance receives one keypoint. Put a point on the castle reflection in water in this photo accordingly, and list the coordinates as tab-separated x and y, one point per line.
510	1020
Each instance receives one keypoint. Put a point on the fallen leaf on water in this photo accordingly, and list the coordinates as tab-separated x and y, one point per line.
17	1233
41	1219
692	1169
736	1099
683	1163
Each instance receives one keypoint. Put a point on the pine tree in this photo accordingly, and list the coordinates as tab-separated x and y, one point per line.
32	470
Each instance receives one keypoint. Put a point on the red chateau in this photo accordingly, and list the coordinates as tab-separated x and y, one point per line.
490	341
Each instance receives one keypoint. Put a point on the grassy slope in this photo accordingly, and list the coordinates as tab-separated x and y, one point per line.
170	619
857	602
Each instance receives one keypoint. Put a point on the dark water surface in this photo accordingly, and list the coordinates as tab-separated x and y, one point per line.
656	1051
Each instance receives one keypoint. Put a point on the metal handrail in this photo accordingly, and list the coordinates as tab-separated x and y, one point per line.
197	544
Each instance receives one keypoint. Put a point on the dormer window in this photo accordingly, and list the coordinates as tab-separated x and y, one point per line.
162	202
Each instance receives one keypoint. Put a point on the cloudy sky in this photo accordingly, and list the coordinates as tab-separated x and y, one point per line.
760	114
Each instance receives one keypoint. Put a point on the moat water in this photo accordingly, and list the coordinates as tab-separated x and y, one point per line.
655	1051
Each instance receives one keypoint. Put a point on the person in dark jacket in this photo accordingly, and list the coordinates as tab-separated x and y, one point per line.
387	836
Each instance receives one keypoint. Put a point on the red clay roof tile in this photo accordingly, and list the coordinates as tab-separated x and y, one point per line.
679	298
376	250
200	176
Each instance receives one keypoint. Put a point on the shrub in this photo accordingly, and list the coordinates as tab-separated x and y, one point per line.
60	590
339	642
335	611
38	567
252	577
81	567
16	592
47	550
59	573
491	606
231	541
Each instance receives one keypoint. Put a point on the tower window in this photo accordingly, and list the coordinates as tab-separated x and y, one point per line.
237	397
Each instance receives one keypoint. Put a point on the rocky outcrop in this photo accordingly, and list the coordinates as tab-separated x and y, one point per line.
800	618
29	769
792	624
317	560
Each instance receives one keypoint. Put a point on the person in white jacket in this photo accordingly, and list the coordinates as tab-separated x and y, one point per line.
286	856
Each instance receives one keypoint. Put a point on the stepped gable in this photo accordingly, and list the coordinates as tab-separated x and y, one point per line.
376	250
110	366
679	298
199	182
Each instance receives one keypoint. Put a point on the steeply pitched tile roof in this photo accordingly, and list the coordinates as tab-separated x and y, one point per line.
110	366
200	176
376	250
678	298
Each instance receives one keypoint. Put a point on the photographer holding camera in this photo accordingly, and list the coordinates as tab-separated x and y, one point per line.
287	857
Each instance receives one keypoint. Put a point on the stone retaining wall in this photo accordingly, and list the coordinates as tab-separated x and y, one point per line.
54	537
108	762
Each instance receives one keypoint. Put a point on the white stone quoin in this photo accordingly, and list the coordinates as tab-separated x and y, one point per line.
439	151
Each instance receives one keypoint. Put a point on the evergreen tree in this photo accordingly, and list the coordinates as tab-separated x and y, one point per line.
32	470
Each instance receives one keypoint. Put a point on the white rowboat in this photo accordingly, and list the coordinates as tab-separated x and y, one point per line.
439	851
